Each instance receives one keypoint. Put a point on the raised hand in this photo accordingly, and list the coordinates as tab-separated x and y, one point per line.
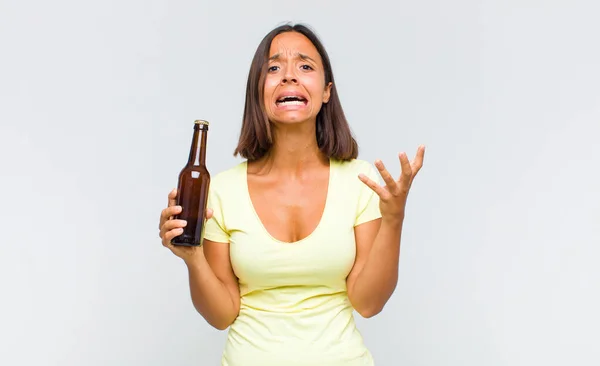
394	193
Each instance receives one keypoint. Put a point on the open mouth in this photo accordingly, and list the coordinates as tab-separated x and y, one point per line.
291	100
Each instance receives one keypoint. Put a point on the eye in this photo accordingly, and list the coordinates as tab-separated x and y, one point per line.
306	67
273	68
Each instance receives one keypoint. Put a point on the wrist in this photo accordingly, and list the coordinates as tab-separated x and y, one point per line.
393	220
195	259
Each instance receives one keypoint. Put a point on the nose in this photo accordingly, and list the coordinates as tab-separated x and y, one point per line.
286	80
289	76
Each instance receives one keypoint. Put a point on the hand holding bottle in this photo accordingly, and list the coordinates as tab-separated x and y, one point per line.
170	227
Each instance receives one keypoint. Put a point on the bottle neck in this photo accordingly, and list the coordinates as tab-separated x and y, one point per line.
198	150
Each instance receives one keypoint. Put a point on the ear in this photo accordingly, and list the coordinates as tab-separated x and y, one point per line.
327	92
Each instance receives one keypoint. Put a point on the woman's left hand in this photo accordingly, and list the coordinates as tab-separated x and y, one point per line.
395	192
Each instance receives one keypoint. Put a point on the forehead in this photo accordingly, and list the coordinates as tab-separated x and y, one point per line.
293	44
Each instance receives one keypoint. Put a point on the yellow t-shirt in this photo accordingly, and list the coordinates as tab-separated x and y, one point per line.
294	307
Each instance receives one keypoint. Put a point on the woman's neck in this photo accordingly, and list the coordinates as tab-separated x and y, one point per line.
294	150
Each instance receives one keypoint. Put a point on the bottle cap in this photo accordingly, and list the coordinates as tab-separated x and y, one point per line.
201	122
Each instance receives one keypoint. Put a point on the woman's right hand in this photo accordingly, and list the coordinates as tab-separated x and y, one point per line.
170	228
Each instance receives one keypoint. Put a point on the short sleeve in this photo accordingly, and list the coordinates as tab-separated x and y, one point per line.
368	201
215	229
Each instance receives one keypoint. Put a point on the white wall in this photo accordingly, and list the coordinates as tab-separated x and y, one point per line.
502	236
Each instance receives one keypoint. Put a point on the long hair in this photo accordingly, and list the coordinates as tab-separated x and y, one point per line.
333	134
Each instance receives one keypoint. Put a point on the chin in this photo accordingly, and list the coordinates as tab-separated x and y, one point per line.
291	119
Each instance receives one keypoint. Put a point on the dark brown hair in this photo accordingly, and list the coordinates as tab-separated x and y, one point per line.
334	136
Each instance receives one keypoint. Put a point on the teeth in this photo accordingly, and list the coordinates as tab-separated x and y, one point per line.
291	102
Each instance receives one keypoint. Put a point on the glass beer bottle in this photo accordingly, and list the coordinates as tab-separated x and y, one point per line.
192	190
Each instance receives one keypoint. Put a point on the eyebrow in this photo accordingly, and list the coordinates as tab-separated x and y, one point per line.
302	56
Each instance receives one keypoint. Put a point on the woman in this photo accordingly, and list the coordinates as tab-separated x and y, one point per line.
300	234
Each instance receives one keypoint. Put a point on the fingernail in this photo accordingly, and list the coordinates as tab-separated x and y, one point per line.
184	222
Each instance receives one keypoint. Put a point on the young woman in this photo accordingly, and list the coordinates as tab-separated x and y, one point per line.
300	234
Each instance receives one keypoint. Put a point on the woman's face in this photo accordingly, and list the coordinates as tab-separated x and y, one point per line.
295	87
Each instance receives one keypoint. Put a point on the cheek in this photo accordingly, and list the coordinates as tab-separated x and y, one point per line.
270	83
268	90
317	87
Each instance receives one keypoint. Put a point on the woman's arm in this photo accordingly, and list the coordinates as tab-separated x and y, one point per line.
213	285
374	276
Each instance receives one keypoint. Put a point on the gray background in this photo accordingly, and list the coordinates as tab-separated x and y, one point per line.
502	233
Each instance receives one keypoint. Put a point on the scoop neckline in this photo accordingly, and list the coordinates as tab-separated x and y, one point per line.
260	222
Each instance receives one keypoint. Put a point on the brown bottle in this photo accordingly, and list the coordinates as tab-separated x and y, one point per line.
192	191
